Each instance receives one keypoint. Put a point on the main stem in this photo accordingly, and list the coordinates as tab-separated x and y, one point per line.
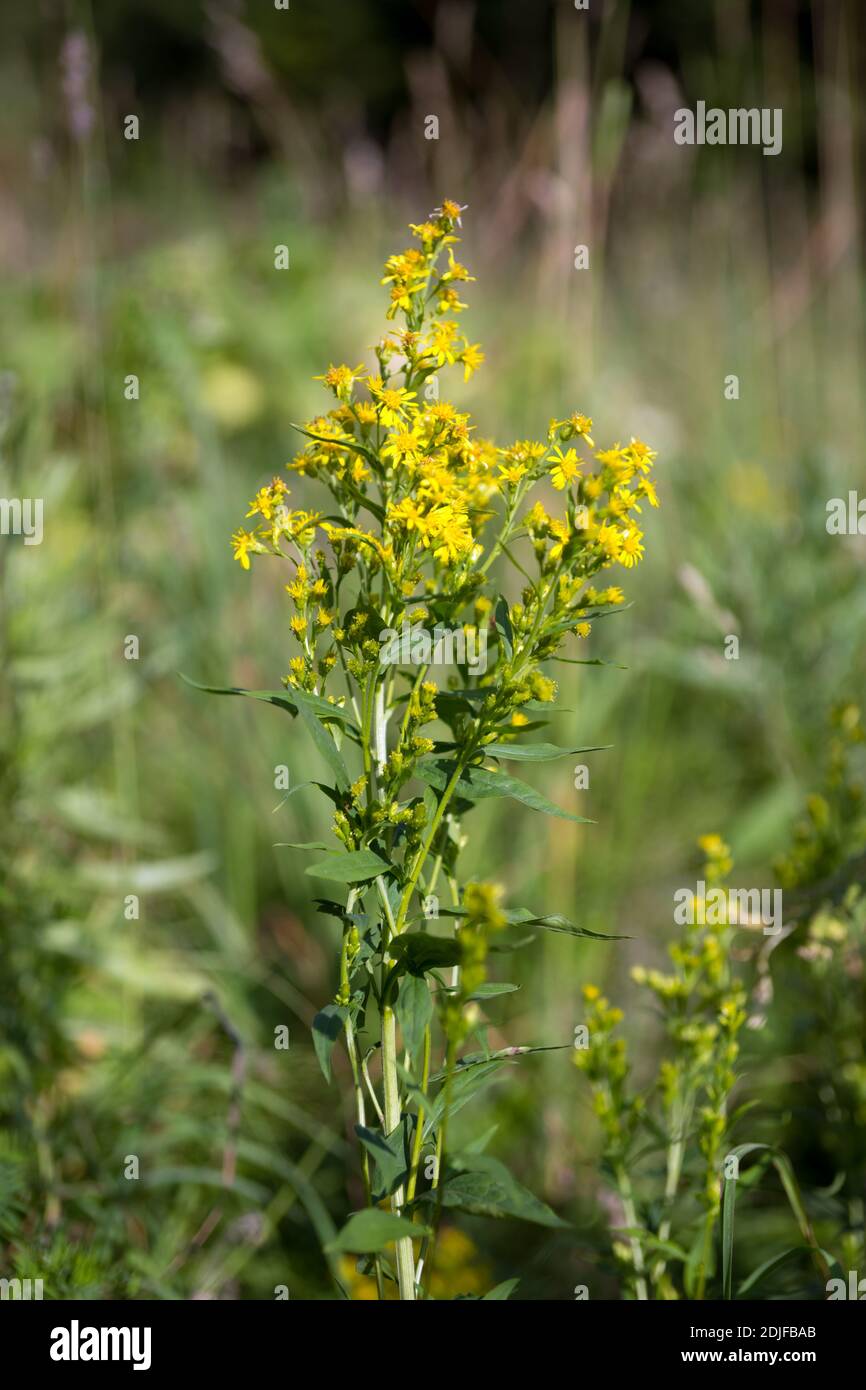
360	1106
405	1258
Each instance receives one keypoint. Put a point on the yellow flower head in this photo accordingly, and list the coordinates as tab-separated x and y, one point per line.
341	380
471	357
393	403
631	548
244	542
566	467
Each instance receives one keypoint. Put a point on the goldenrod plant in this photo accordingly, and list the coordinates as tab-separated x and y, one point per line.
673	1227
702	1005
392	576
824	985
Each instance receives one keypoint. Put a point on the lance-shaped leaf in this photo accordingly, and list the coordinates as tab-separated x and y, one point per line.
414	1010
353	866
327	1027
390	1154
482	1186
501	1291
537	752
347	443
338	910
589	661
309	708
302	844
491	990
467	1081
544	707
552	921
581	615
480	783
285	699
502	621
788	1179
365	1232
417	952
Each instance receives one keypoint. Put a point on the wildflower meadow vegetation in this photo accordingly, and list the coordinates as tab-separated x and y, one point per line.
503	937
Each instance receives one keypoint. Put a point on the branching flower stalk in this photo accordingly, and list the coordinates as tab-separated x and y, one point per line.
391	580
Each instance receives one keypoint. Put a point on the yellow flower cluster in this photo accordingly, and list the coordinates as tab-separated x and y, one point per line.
390	450
420	507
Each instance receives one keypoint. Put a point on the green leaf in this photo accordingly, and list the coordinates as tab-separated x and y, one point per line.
468	1080
537	752
480	783
502	620
285	699
501	1291
390	1154
418	952
588	661
347	444
338	910
492	991
769	1267
668	1248
477	1146
543	707
482	1186
309	708
304	844
327	1027
554	921
788	1178
354	866
365	1232
504	1054
583	614
271	697
414	1010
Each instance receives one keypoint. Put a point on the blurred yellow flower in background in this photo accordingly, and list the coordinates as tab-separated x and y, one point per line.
233	395
459	1271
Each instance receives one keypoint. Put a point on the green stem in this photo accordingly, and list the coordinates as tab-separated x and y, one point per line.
709	1226
442	1140
415	1160
425	848
623	1182
676	1152
360	1104
405	1257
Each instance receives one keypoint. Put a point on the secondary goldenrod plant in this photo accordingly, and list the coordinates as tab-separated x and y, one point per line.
702	1006
665	1243
824	985
395	567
